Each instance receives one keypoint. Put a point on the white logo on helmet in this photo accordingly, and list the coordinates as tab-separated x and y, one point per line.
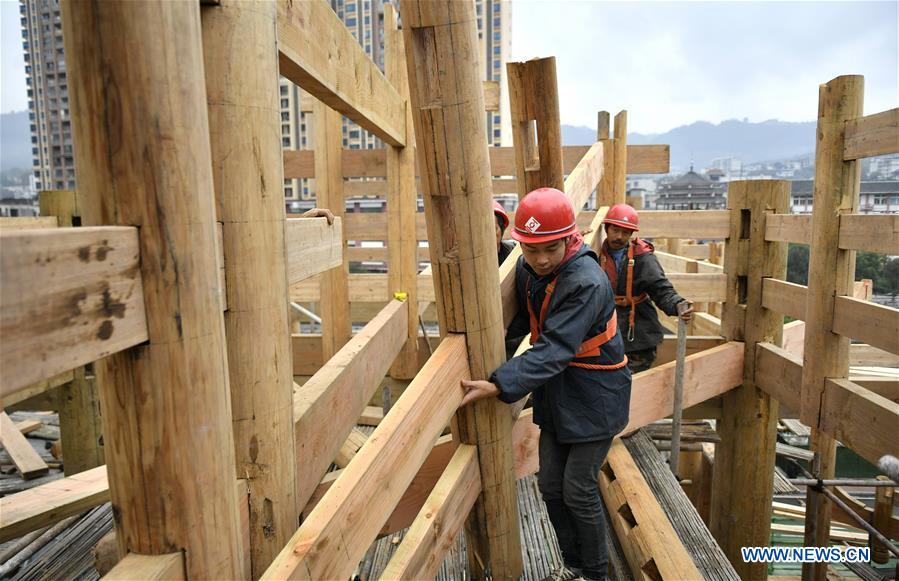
625	219
532	225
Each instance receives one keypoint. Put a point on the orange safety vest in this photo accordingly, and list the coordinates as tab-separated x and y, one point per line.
590	347
627	299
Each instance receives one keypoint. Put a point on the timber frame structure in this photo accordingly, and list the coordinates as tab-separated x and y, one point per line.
174	283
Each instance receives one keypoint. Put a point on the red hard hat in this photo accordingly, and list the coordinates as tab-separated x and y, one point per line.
500	213
623	216
544	214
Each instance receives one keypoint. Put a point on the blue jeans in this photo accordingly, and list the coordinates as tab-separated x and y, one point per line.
568	482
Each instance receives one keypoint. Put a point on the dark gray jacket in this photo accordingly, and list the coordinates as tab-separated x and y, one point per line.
505	249
577	404
649	277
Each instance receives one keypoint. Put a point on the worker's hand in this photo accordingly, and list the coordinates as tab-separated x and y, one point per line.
586	231
320	213
477	389
685	311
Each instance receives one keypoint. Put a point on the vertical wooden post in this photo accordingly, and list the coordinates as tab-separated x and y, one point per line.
448	110
402	202
536	129
605	190
142	151
744	460
831	273
241	69
335	296
883	513
619	168
80	425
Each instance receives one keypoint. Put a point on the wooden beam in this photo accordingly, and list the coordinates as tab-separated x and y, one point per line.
49	503
830	274
872	135
402	202
704	288
708	374
582	180
27	460
307	353
350	447
320	55
784	297
870	233
313	247
68	296
864	355
335	536
705	324
794	228
695	344
245	132
865	321
651	545
165	567
444	69
862	420
536	129
698	224
434	531
8	223
327	406
166	409
779	373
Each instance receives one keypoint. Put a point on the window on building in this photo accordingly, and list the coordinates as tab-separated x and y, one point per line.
284	103
351	7
496	22
284	90
496	36
285	141
351	22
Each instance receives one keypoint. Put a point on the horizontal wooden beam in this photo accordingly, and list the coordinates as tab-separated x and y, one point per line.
491	98
862	420
313	246
666	350
49	503
372	163
169	567
335	536
434	530
868	322
707	374
705	324
795	228
701	288
27	222
327	406
696	224
872	135
68	296
320	55
28	395
784	297
863	355
779	374
870	232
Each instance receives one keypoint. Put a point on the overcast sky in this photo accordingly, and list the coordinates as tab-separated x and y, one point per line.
672	63
668	63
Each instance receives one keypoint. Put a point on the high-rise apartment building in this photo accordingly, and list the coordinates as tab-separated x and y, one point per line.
365	20
48	96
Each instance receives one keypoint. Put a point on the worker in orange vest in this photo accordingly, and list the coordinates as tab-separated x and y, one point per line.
638	281
575	368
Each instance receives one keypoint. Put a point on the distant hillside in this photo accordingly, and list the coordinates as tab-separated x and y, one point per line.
15	141
701	142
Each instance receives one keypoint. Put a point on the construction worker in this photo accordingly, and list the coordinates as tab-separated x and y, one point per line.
503	247
638	281
575	368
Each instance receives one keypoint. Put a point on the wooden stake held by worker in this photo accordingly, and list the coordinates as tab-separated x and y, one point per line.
448	109
247	169
744	460
831	273
141	136
536	128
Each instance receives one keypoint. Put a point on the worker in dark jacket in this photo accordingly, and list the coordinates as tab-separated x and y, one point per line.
503	247
638	281
575	368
